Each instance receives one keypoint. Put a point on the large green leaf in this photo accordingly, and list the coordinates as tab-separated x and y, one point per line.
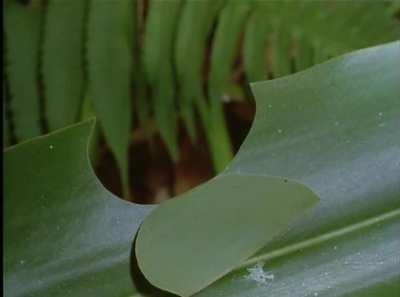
333	128
336	129
64	234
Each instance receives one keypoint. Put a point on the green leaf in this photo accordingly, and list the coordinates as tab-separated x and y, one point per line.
255	43
299	29
334	128
63	61
64	234
6	120
224	49
22	32
6	123
110	66
190	46
189	242
157	60
87	112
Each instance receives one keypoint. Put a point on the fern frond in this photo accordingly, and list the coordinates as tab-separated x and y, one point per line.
22	33
157	61
109	51
224	50
194	26
63	61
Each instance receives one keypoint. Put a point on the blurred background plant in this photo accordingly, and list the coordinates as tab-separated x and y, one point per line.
168	80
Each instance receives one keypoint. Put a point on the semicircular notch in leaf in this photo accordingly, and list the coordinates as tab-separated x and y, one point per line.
64	234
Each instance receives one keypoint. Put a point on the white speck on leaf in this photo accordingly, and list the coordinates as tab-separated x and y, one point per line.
22	262
226	98
51	146
258	274
280	131
380	114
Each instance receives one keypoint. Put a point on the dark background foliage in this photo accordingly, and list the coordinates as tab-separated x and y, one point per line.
167	80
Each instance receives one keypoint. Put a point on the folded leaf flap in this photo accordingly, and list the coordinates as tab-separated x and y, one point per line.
189	242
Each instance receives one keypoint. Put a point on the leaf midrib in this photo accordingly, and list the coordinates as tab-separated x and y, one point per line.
319	239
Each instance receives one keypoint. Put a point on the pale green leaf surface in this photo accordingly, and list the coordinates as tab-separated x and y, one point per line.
63	61
22	32
335	128
189	242
64	234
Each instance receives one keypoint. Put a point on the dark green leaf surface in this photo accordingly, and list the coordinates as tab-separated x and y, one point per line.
63	61
6	124
334	128
22	31
110	66
64	234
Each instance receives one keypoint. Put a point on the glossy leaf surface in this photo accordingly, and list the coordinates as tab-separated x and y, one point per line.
335	128
64	234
